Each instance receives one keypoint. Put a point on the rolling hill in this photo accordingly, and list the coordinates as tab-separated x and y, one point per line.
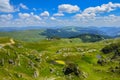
91	37
25	35
64	59
30	34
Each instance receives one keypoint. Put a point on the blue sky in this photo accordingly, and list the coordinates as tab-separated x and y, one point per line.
51	13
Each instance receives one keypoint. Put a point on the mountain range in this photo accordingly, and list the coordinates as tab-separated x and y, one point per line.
40	33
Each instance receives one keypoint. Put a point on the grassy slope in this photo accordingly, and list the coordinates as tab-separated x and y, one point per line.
27	35
25	54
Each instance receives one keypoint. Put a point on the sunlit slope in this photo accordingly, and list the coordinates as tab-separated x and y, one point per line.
27	35
45	60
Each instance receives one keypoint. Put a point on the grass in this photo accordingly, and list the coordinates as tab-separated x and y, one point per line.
4	40
27	35
37	56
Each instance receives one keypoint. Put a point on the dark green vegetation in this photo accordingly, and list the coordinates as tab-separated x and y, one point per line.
91	37
112	48
83	61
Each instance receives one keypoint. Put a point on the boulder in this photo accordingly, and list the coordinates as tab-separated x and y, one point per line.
10	61
101	62
71	68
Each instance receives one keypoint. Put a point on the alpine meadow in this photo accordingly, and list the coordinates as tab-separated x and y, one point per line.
59	40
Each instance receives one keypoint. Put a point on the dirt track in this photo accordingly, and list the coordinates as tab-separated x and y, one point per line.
9	43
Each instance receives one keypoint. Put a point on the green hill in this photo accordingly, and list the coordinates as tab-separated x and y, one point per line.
91	37
27	35
55	59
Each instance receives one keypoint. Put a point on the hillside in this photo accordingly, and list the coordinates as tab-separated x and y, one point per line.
25	35
71	31
67	32
91	37
64	59
33	34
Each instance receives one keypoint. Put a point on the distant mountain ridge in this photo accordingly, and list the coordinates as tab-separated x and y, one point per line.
75	31
111	31
40	33
9	29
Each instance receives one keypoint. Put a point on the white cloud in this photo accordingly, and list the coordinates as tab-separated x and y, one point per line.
53	18
93	11
110	18
45	14
34	20
5	6
89	17
58	14
99	21
36	17
6	20
85	15
6	17
23	6
25	19
103	8
68	8
23	15
27	22
29	16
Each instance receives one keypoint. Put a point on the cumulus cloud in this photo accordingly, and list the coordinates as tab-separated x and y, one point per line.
24	19
58	14
6	17
45	14
6	20
5	6
31	19
93	11
29	16
52	18
23	6
68	8
91	16
103	8
85	15
110	18
24	15
36	17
